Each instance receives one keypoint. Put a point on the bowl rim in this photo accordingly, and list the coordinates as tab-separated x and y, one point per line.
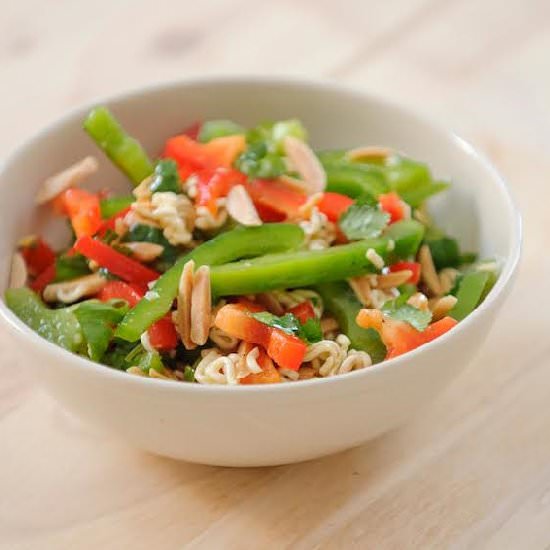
497	293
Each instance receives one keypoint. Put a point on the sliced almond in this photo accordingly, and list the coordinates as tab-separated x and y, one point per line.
68	292
419	301
183	315
269	301
18	273
369	152
391	280
241	208
144	251
69	177
306	163
447	278
442	306
428	272
201	306
362	289
329	324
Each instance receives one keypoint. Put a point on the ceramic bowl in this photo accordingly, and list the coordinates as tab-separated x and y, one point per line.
271	424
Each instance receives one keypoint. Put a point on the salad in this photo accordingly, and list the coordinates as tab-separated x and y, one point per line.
241	256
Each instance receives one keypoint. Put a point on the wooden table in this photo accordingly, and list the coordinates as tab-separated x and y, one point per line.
471	472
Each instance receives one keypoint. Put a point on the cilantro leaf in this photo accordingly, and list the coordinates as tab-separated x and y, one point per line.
310	331
396	309
362	221
97	321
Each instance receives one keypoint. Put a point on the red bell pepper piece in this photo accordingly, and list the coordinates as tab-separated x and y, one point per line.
109	225
435	330
400	337
285	349
333	205
38	256
162	334
44	279
83	209
191	156
277	196
303	311
393	205
411	266
118	264
119	290
269	374
214	183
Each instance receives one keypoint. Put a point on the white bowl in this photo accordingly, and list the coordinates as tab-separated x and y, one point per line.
272	424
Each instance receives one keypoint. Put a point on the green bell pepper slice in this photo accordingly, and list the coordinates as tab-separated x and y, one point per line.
471	291
340	301
113	205
310	267
123	150
59	326
241	242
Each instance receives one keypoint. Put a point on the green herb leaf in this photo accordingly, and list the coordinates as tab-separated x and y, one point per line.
445	252
396	309
150	234
119	350
70	267
310	331
362	221
166	177
97	321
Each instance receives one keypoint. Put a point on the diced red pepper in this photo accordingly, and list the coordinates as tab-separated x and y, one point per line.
285	349
118	264
38	256
191	156
400	337
276	195
435	330
109	224
44	279
393	205
162	334
224	150
269	374
83	209
410	266
214	183
333	205
303	311
268	214
131	293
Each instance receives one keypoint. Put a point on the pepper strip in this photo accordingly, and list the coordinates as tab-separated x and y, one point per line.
242	242
310	267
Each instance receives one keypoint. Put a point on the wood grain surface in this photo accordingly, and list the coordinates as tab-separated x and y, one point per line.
473	471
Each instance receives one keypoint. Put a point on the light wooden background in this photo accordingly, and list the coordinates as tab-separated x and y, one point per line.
471	472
